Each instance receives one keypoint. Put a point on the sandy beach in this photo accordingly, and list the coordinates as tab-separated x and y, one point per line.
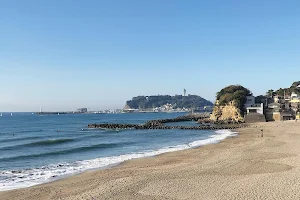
242	167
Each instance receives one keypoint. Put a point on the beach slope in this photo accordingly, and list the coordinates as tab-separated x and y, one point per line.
242	167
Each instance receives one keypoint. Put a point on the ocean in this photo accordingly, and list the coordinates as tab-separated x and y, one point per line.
35	149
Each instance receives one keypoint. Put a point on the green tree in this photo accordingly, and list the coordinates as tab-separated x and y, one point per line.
236	93
270	93
280	92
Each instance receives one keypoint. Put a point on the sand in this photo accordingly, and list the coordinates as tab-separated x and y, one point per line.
242	167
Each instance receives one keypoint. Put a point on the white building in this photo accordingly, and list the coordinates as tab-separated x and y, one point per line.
251	107
256	108
294	96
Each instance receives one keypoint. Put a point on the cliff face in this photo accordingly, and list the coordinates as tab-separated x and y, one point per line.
226	112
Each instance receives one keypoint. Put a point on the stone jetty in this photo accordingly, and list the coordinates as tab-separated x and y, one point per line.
203	120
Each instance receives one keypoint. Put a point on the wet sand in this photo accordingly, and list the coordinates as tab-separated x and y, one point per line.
242	167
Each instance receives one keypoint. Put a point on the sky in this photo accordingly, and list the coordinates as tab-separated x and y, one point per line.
65	54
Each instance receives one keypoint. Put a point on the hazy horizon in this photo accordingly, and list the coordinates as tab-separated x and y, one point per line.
50	108
63	55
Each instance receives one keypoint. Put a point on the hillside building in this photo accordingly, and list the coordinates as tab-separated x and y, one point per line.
283	109
252	107
254	112
250	101
256	108
82	110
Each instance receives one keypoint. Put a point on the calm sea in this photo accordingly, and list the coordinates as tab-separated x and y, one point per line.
40	148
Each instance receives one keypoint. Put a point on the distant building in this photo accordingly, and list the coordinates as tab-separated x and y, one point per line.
208	108
283	109
287	115
82	110
294	96
250	101
256	108
298	115
254	112
273	111
276	106
184	92
276	99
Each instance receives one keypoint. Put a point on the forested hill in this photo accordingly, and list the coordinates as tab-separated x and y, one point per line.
177	101
295	87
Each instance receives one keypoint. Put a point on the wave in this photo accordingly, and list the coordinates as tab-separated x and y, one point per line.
30	177
49	142
67	151
22	131
29	131
46	142
38	144
79	130
19	139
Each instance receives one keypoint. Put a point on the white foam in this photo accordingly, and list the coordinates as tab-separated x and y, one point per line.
25	178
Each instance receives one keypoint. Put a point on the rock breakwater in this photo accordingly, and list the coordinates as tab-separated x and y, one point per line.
203	119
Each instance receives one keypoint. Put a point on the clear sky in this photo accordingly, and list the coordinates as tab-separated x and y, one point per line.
65	54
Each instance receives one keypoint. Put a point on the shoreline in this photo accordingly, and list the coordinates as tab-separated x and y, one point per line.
242	167
216	137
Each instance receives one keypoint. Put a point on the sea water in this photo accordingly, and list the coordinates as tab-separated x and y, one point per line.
35	149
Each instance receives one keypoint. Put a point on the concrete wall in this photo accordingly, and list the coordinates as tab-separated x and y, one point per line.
273	116
276	116
254	117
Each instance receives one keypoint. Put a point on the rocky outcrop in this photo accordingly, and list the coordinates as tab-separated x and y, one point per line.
228	112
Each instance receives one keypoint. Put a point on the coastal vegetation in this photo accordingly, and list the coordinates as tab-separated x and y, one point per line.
233	93
230	103
261	99
177	101
295	87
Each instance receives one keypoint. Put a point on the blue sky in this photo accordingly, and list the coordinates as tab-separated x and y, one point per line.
64	54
